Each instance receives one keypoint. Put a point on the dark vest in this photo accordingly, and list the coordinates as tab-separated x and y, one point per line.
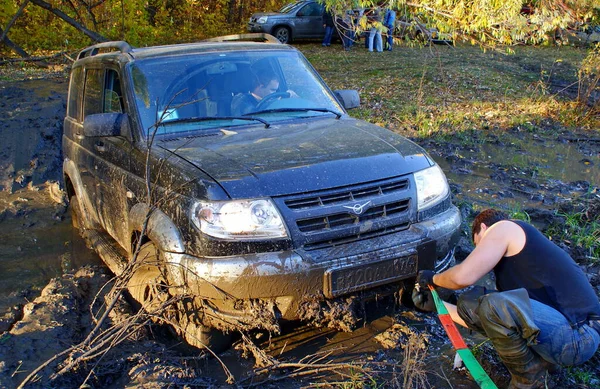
550	276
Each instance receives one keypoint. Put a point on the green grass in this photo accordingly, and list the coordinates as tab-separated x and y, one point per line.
582	376
424	91
578	231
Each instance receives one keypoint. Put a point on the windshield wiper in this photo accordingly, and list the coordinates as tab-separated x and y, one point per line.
337	114
211	118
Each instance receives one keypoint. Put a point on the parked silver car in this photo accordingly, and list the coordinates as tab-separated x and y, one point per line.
299	20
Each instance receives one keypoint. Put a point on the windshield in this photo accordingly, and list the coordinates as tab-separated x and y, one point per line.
215	90
288	7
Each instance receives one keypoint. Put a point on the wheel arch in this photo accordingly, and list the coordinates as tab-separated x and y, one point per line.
74	187
161	230
287	27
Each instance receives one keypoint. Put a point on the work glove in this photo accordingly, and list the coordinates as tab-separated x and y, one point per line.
425	278
423	299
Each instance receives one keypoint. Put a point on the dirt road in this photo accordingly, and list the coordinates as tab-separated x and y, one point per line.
45	294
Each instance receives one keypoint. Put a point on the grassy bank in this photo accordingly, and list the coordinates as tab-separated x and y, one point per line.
422	91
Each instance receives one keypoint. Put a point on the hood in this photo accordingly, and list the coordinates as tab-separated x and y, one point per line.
259	14
294	158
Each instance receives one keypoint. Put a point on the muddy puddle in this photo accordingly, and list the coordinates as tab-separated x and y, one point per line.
514	169
518	169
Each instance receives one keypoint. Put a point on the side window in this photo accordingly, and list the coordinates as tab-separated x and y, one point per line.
75	93
92	100
312	9
113	98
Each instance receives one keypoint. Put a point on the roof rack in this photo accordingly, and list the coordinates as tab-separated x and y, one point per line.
259	36
105	47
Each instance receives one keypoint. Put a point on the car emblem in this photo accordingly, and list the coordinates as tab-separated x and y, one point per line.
358	208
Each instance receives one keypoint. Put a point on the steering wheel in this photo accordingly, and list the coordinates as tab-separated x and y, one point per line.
268	99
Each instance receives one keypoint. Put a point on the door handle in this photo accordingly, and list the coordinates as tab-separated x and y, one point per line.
100	147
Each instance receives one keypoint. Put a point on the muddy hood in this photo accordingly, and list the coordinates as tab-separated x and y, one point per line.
295	158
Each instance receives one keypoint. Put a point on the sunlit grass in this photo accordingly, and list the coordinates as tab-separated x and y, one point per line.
421	91
578	231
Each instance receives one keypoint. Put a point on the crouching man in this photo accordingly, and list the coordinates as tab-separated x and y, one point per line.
545	311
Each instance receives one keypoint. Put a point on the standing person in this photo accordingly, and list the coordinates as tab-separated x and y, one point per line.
389	22
545	312
329	26
375	32
347	29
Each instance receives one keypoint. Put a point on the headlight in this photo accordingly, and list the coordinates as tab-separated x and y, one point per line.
239	220
262	20
432	187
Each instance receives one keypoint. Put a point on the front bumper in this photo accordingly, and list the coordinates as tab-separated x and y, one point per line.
255	27
288	277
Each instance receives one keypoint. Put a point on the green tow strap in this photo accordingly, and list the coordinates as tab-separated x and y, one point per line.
479	375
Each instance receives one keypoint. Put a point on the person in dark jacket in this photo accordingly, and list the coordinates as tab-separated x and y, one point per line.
329	26
263	84
545	312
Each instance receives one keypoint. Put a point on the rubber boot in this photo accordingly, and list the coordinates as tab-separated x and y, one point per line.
467	305
507	320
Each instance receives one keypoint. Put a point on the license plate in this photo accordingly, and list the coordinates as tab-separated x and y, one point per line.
351	279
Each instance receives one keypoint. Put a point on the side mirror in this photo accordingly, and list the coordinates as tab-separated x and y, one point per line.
348	97
106	124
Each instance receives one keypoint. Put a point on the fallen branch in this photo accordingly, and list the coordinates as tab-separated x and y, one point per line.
28	58
13	20
309	365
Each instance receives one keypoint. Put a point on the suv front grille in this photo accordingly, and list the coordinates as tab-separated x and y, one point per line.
327	218
344	219
356	237
345	196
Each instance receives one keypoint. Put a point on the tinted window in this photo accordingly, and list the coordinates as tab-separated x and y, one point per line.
92	101
312	9
113	98
75	93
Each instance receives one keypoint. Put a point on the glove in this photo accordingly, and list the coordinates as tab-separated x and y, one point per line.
423	300
425	278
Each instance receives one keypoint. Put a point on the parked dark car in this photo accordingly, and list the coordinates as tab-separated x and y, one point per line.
299	20
244	221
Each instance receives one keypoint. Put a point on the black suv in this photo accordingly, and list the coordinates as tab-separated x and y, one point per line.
248	219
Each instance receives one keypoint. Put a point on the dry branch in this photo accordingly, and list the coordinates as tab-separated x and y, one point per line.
16	48
91	34
14	18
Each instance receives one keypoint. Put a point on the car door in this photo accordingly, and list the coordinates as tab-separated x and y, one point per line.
110	159
309	21
77	147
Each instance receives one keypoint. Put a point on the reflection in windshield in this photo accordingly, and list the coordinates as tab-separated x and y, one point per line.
225	85
287	8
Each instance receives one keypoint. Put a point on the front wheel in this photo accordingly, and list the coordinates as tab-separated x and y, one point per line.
148	285
283	34
150	288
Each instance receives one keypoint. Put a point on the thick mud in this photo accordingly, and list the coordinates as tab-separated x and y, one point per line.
50	279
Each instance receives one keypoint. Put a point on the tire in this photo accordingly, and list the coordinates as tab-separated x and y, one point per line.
283	34
196	334
78	217
75	212
150	289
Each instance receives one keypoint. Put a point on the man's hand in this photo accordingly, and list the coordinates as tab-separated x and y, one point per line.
423	299
425	278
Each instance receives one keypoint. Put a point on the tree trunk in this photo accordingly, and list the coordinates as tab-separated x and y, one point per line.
19	50
91	34
14	18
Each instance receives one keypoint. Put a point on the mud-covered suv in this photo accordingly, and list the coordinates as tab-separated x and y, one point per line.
289	211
